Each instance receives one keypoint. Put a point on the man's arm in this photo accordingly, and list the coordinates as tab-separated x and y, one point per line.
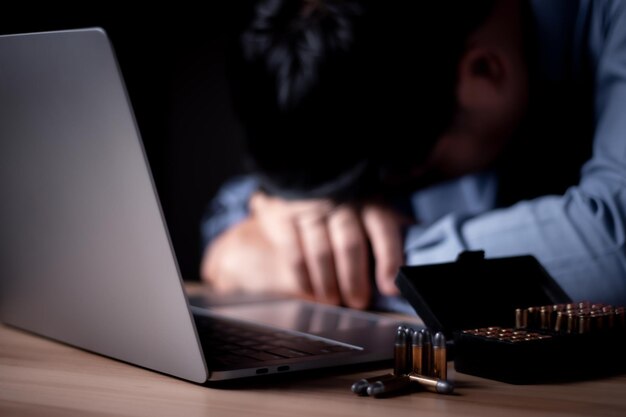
313	248
228	207
579	237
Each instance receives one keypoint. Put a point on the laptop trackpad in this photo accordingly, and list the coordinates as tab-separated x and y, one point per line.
300	315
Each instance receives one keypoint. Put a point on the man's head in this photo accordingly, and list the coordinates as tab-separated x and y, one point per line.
341	97
491	93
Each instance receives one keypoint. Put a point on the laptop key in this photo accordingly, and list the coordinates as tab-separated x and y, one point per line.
248	343
237	344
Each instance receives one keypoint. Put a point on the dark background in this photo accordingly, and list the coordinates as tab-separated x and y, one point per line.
173	62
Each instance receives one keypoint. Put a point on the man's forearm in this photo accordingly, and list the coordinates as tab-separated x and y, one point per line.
228	207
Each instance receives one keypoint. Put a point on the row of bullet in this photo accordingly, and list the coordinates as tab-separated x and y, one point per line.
583	317
419	358
507	334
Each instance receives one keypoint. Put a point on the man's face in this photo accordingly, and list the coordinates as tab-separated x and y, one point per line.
491	96
491	101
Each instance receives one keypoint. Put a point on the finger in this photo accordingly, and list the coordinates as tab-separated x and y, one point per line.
294	269
282	234
384	234
319	259
350	255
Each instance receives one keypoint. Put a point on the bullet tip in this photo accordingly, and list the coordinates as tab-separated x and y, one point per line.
439	340
375	389
444	387
360	387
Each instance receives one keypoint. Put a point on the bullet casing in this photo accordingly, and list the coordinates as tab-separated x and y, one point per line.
440	363
417	350
360	386
427	353
439	386
400	353
389	386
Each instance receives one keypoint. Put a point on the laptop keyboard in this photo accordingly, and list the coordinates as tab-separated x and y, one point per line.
227	344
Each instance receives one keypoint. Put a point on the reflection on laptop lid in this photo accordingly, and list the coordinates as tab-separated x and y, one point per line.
85	257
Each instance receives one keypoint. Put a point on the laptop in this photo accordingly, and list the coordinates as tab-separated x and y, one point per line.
85	256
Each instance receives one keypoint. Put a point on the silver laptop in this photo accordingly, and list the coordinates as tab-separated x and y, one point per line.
85	256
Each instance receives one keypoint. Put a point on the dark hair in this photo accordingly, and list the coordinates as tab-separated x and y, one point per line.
334	92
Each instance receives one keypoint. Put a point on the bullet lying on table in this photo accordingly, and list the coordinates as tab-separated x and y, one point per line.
360	387
390	384
440	386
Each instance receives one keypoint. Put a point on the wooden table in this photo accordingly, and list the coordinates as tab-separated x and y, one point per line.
39	377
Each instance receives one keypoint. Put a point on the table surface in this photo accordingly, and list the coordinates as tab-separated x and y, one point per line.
43	377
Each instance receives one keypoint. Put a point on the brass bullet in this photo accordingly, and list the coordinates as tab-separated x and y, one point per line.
417	348
399	354
388	386
521	318
360	386
440	363
427	353
439	386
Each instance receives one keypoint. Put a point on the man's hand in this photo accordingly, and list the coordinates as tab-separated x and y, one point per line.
309	247
241	258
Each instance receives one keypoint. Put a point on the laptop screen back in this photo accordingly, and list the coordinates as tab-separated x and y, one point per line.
85	257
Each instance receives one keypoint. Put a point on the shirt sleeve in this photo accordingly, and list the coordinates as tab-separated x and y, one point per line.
579	237
228	207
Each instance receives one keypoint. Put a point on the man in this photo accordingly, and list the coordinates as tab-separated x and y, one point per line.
533	85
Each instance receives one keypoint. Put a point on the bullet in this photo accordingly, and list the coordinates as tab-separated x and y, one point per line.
427	353
619	317
388	386
546	317
400	352
521	318
584	324
360	386
433	384
560	322
598	319
417	345
610	319
440	363
533	317
572	323
409	351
